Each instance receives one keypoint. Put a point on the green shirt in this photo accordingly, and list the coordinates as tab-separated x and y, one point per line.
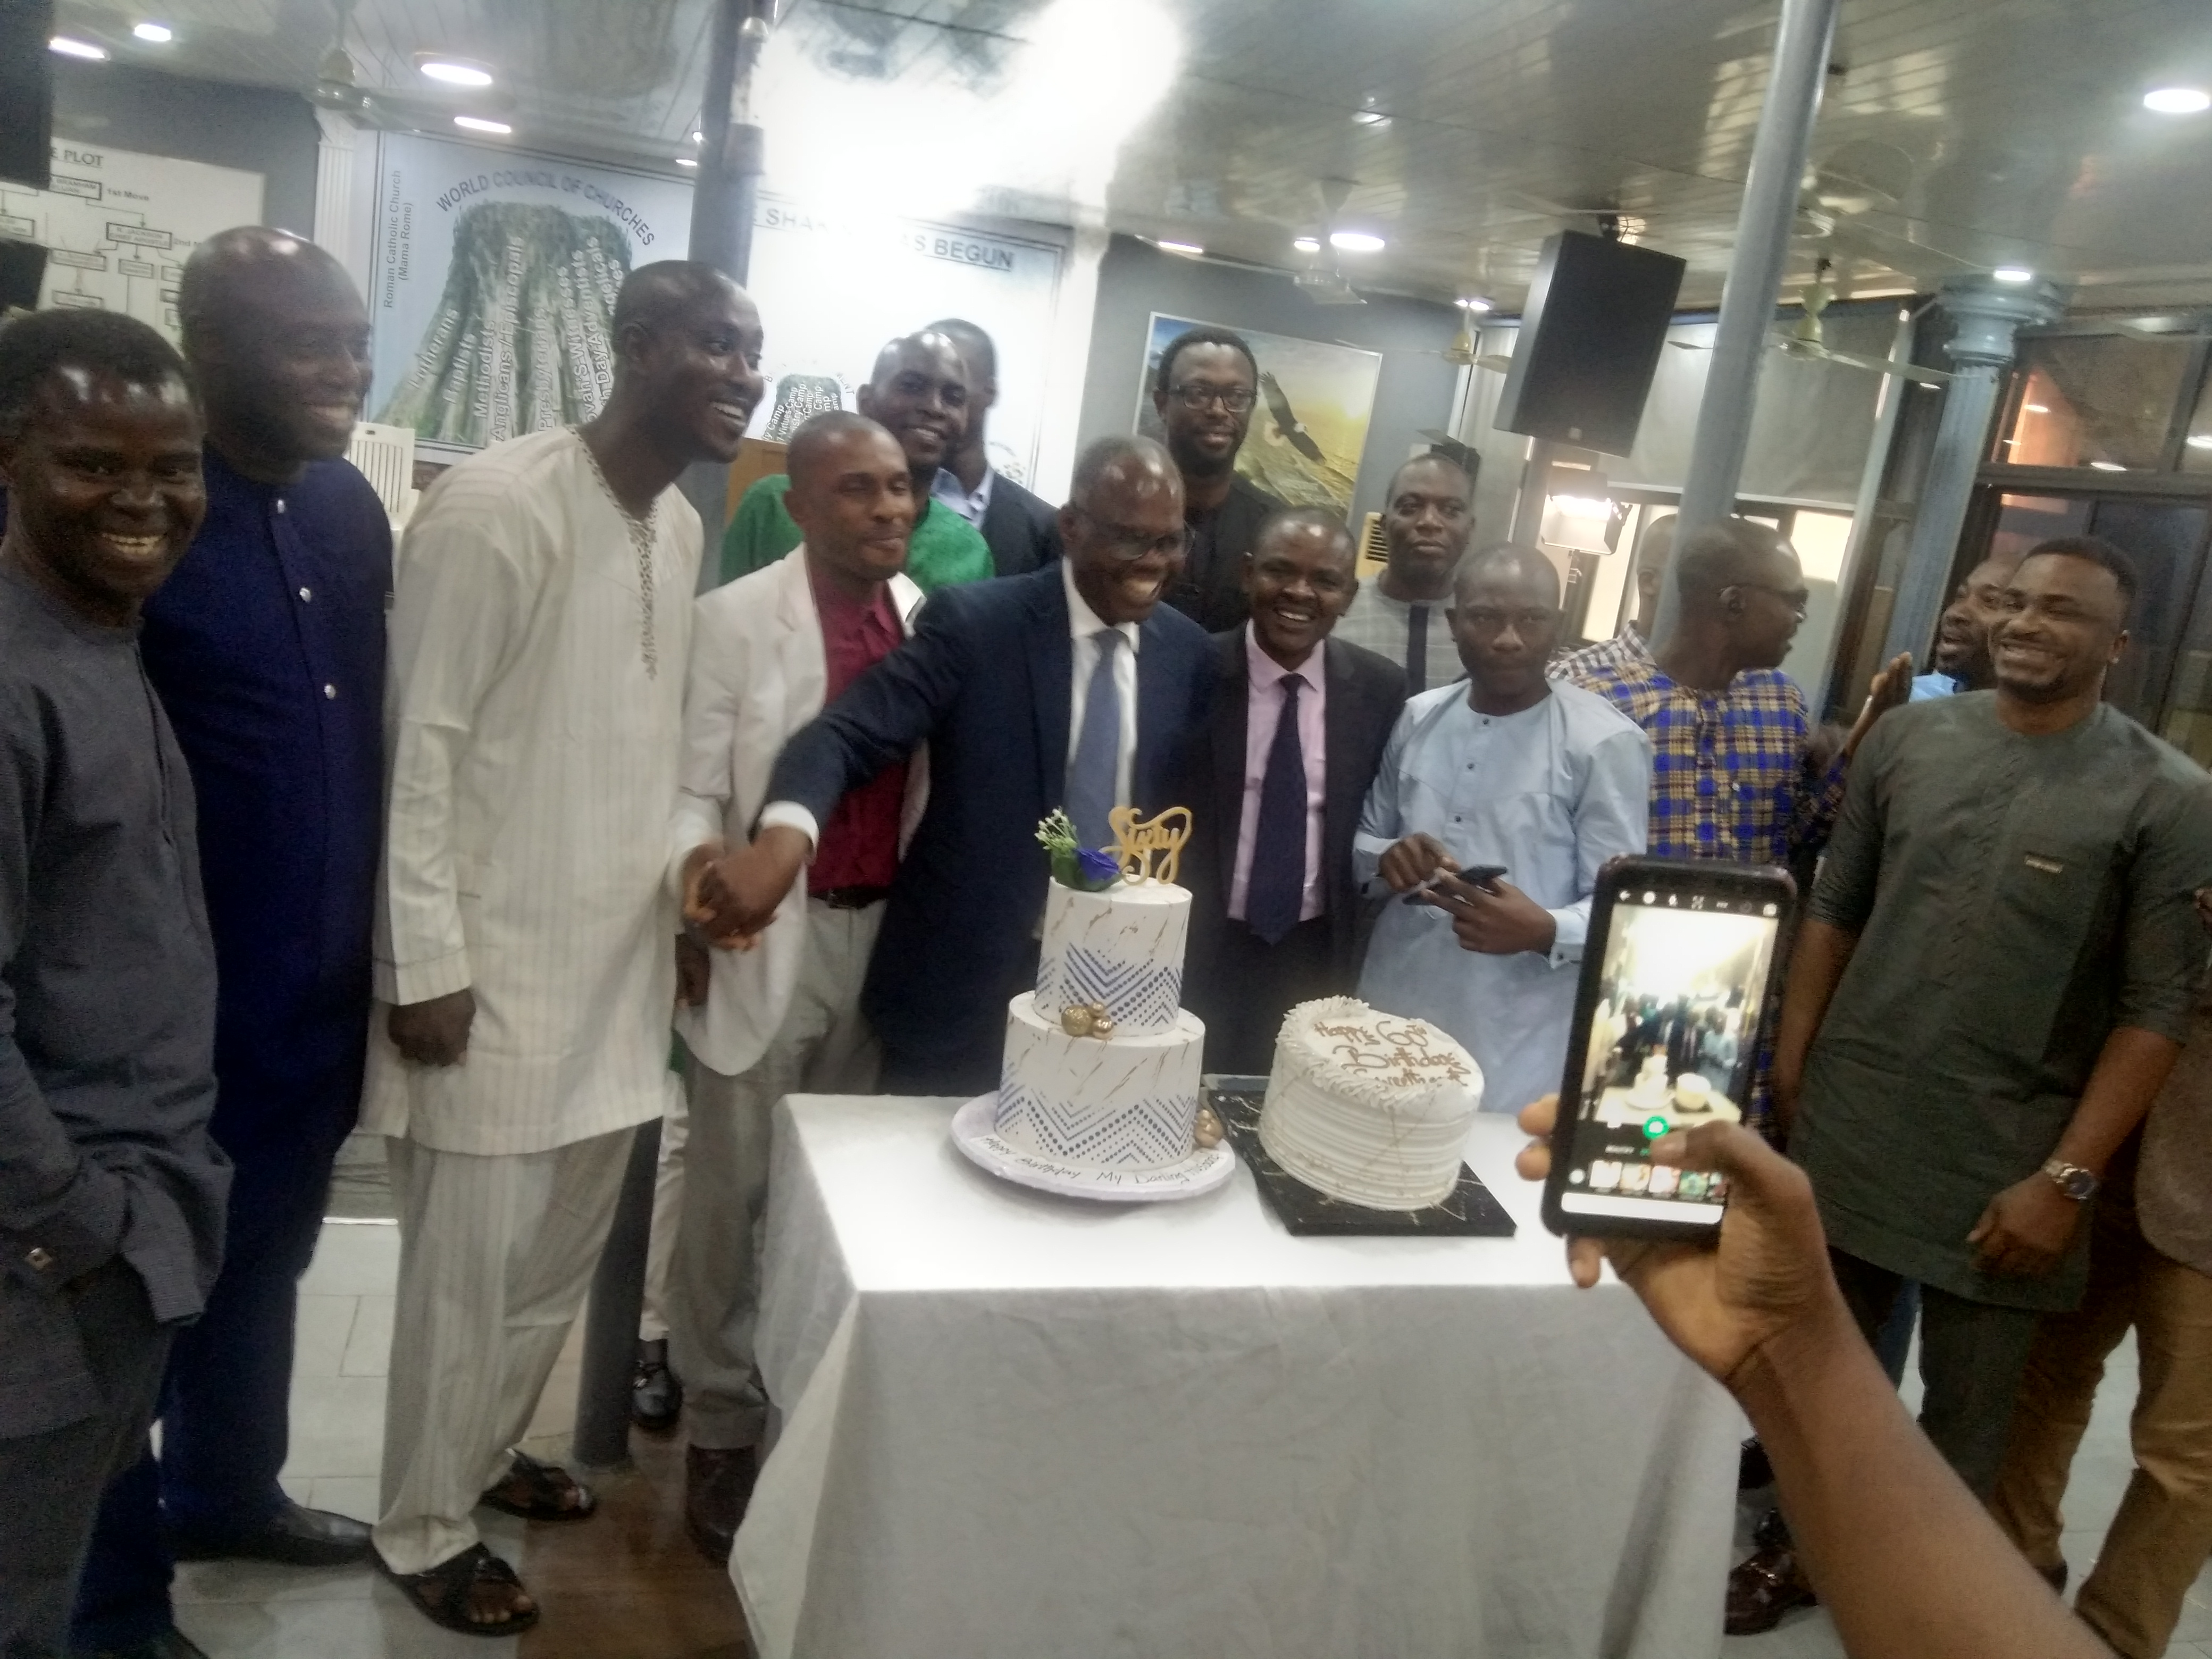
946	548
2015	898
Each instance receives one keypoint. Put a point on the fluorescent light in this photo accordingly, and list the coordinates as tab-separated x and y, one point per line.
686	161
1477	305
2200	441
1307	244
477	123
1356	242
2036	409
2013	274
455	73
159	34
1370	117
1187	248
69	47
2177	100
2108	466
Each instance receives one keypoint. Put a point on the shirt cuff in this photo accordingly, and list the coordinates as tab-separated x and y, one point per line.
79	1235
1570	929
419	981
790	814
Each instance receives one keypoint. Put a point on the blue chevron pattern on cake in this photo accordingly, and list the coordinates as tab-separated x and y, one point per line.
1142	1133
1140	996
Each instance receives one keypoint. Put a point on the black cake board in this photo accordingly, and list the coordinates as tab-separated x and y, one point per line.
1468	1212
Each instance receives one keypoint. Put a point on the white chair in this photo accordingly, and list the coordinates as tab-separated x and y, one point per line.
386	456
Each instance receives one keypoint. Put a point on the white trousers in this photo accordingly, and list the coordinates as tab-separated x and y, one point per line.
667	1207
823	1046
495	1255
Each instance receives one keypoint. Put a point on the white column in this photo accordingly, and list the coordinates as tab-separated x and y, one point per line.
1068	361
340	227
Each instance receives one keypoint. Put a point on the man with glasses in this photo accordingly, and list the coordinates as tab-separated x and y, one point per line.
1428	518
1203	393
1511	769
1069	687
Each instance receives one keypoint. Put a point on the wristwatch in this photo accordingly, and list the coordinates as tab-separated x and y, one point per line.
2071	1179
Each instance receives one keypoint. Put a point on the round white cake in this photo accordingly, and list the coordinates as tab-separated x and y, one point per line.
1126	1101
1369	1108
1121	949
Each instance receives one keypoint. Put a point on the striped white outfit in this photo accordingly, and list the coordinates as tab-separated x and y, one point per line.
532	717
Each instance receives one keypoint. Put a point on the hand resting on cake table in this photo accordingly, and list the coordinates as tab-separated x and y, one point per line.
1903	1555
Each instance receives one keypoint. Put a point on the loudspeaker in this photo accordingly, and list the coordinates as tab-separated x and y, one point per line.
27	92
22	268
1590	338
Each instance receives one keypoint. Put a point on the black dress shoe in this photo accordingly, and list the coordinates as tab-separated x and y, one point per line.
717	1488
294	1536
1753	1471
170	1643
656	1395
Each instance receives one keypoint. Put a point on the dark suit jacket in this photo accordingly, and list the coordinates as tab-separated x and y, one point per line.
985	682
1211	590
1365	693
1022	528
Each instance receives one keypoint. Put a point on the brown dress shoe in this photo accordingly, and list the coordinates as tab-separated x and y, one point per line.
1761	1590
717	1488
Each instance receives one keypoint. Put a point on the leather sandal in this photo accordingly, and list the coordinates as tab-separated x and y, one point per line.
549	1492
1764	1587
442	1595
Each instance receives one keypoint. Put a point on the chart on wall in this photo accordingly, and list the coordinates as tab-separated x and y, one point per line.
832	290
495	276
119	226
1310	427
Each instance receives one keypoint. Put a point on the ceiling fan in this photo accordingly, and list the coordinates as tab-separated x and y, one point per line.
1323	280
338	86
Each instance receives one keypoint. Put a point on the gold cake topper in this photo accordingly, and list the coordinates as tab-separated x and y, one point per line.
1139	841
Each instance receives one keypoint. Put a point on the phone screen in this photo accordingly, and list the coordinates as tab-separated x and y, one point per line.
1672	1036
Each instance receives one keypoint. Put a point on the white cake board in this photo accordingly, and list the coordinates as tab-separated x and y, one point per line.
972	1132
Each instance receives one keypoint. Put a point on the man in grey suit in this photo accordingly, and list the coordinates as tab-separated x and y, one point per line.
112	1194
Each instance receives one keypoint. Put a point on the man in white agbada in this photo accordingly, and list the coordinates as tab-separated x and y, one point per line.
525	933
1540	777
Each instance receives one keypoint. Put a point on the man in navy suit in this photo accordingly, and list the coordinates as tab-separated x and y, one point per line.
1069	687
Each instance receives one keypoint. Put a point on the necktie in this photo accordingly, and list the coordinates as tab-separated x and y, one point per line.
1277	888
1416	647
1092	770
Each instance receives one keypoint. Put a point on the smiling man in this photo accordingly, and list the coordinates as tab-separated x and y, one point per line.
1298	724
1512	771
1071	686
1992	981
539	636
920	393
1962	661
112	1191
1204	393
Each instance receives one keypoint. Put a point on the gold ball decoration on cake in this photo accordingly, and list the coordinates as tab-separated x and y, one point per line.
1076	1019
1151	849
1207	1130
1101	1023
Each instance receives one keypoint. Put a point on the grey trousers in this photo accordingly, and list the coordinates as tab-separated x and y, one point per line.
50	1483
823	1046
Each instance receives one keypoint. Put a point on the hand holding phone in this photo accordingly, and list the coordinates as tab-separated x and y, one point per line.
1444	880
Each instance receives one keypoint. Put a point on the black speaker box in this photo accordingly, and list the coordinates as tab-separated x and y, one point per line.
27	92
22	268
1590	338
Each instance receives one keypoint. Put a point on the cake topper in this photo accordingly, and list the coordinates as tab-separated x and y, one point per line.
1080	867
1140	841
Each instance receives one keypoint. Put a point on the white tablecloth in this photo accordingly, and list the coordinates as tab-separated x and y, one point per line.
1024	1427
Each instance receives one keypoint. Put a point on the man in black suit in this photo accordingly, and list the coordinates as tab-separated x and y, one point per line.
1070	687
1022	528
1207	384
1274	908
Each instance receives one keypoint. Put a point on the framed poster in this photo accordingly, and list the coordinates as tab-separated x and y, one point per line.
1307	434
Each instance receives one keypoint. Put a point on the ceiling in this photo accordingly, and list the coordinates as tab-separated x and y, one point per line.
1955	134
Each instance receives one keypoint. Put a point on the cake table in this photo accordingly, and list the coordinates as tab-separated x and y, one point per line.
1019	1425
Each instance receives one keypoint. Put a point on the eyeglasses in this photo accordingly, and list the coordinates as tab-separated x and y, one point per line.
1236	399
1796	598
1126	546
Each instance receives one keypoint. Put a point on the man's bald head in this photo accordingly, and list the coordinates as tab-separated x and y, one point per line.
852	497
1505	621
1124	458
1123	526
919	390
1442	467
661	295
278	343
822	439
1507	564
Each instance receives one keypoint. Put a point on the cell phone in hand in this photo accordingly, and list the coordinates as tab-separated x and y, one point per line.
1475	875
1666	1034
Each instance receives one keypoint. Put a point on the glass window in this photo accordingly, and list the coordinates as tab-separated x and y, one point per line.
2105	401
2197	448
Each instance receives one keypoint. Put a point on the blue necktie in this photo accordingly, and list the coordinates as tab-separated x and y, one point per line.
1276	890
1091	773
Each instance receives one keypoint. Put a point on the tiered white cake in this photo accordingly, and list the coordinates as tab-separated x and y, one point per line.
1369	1108
1127	1099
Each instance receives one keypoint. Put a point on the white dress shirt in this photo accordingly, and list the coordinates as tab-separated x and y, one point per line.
532	756
1263	713
970	504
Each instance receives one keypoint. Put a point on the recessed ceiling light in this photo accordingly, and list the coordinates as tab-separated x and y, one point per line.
477	123
697	136
686	161
2200	441
1370	117
454	71
2108	466
2036	409
1191	248
159	34
69	47
1473	304
2177	100
2013	274
1307	244
1355	241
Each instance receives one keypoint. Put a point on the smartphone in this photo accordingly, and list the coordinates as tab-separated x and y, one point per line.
1675	980
1475	875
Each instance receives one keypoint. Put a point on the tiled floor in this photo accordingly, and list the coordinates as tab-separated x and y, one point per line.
626	1585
